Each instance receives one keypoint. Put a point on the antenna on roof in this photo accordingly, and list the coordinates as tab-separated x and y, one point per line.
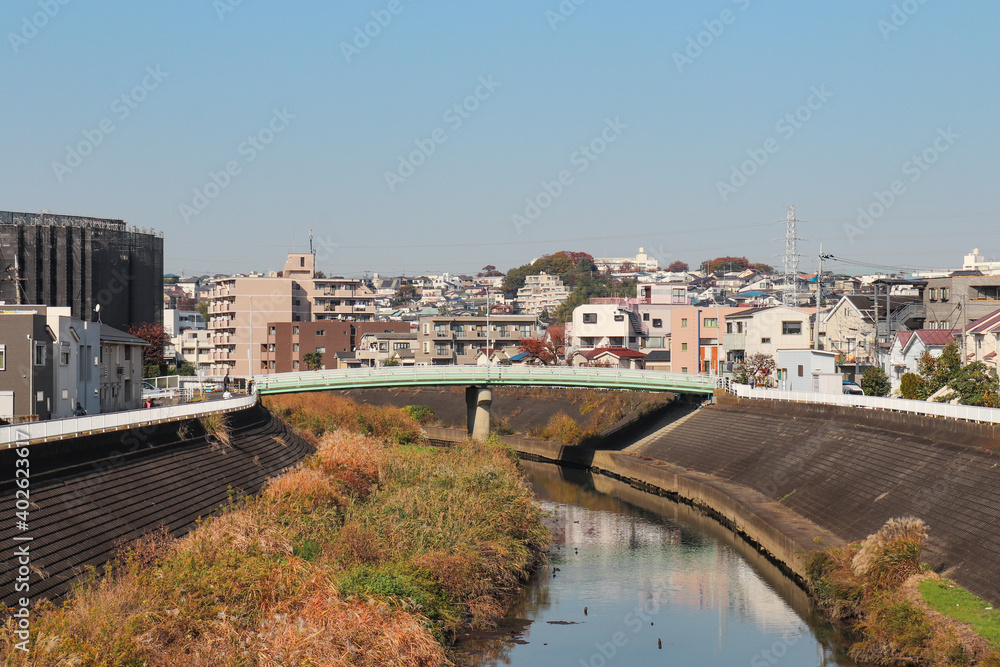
311	251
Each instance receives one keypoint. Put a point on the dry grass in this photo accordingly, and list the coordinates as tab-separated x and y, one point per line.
368	553
890	556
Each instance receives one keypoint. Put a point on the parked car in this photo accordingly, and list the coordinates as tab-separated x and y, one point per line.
853	389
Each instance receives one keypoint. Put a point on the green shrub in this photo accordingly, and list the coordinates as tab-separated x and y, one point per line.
911	386
421	413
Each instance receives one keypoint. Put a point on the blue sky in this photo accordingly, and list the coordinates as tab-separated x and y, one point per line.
682	127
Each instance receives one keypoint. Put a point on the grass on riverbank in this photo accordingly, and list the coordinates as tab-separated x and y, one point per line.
369	553
952	600
870	586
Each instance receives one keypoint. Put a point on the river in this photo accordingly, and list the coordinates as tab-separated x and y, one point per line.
637	579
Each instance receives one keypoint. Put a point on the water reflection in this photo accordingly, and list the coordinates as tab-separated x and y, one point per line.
637	579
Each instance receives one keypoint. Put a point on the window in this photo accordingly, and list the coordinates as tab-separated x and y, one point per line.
295	347
619	318
729	327
320	332
590	318
401	346
320	350
3	357
295	365
128	354
765	341
616	341
944	293
441	351
684	347
295	331
684	369
800	370
64	354
684	323
711	322
932	294
944	325
39	354
302	261
791	328
270	331
645	317
657	324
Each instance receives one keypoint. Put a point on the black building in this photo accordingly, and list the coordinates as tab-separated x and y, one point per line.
63	260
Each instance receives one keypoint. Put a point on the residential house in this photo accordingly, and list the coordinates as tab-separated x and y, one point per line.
982	339
287	343
611	324
696	339
765	330
657	360
120	377
376	348
611	357
960	298
908	347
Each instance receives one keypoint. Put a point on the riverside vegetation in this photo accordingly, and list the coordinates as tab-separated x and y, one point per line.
375	550
902	614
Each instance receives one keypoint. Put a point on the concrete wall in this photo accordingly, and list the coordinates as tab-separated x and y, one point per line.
848	470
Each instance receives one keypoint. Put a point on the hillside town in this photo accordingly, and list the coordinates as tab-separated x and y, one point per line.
728	317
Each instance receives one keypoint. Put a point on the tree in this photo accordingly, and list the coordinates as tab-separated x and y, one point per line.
628	267
936	372
760	267
390	362
911	386
755	370
562	264
976	384
202	307
313	361
548	349
678	267
157	338
319	274
489	271
725	264
404	295
874	382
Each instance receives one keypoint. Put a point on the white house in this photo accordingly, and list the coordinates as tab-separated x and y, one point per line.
766	330
797	370
982	340
604	325
909	346
76	353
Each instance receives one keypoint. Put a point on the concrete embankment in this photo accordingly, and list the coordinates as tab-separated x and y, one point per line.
93	494
783	474
848	470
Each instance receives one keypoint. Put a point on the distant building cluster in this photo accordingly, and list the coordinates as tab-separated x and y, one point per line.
70	285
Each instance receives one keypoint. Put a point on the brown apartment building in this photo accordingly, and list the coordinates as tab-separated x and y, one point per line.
287	343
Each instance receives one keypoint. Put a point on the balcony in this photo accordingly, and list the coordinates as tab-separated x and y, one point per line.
734	341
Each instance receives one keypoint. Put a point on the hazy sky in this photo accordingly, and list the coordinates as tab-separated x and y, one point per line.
457	134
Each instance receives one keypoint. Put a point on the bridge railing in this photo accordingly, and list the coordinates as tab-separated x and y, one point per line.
576	376
931	409
16	435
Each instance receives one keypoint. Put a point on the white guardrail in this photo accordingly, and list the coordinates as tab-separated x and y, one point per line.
16	435
932	409
578	376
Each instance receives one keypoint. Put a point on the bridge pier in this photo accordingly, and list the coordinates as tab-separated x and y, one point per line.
477	405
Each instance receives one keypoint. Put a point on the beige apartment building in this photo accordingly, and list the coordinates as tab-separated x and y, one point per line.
457	340
241	309
540	293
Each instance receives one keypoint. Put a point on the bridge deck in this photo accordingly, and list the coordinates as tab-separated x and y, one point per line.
537	376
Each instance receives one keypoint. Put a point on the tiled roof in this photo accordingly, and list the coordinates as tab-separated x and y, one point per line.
936	336
620	352
985	323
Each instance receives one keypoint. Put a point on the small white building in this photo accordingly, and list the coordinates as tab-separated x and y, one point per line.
766	330
797	370
120	370
175	321
641	261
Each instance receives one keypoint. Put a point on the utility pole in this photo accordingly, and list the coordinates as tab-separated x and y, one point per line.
819	295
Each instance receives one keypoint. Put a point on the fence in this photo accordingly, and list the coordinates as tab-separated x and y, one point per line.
17	435
931	409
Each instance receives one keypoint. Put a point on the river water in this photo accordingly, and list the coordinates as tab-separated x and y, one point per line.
636	579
